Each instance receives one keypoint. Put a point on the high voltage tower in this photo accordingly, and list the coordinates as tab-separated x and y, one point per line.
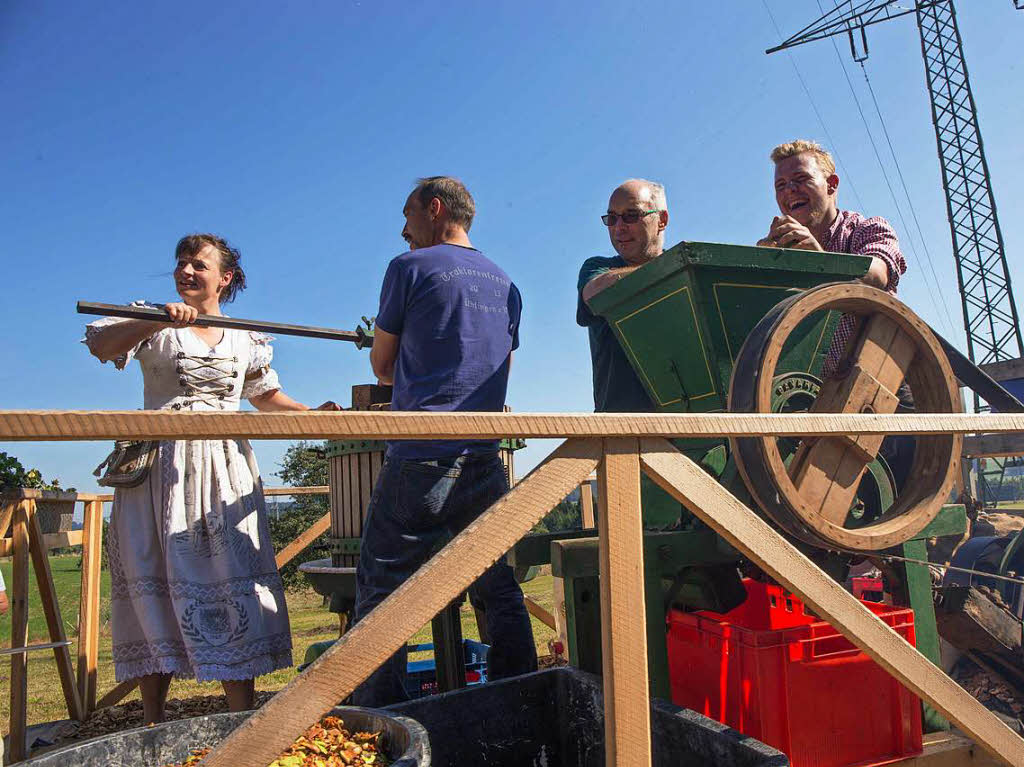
989	310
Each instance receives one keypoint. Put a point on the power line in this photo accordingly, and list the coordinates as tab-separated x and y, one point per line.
814	106
910	202
885	175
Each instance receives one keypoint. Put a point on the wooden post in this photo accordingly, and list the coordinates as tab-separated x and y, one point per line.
54	621
19	632
747	532
269	731
627	723
587	504
89	608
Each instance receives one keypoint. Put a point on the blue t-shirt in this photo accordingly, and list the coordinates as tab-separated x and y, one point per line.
617	389
457	314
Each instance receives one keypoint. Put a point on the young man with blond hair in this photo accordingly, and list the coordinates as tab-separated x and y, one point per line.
806	188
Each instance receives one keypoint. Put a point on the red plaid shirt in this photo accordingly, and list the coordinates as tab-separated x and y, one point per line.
852	233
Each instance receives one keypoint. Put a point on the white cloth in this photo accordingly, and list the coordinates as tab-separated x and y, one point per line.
194	588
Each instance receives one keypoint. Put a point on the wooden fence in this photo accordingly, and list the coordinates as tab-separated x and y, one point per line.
29	546
619	447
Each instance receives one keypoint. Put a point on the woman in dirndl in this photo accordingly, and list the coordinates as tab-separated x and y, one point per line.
195	591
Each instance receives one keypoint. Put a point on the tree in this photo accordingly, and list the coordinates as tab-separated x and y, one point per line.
565	516
303	465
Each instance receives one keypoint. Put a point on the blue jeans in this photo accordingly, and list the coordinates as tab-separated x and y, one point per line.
416	507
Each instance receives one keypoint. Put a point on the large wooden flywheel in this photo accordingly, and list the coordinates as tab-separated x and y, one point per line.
811	488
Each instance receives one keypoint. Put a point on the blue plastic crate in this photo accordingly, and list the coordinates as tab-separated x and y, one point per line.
421	678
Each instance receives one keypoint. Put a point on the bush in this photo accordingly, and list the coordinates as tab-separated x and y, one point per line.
14	476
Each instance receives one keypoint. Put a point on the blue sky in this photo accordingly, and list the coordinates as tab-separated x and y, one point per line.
297	132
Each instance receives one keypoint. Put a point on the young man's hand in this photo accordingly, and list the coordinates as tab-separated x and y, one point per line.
787	232
4	604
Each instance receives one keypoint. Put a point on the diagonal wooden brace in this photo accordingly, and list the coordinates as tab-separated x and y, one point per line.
274	727
700	493
859	392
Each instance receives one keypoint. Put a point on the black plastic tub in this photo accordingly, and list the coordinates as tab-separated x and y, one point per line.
404	741
555	718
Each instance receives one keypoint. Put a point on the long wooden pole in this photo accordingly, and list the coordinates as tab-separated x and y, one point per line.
150	314
685	481
61	425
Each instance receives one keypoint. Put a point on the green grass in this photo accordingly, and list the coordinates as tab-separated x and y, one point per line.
310	622
67	582
1010	505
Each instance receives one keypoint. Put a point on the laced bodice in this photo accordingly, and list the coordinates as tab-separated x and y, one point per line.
208	379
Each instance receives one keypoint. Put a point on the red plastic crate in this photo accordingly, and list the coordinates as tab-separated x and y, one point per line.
792	681
868	589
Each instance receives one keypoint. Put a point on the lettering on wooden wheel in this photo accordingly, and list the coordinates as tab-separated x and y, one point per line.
812	497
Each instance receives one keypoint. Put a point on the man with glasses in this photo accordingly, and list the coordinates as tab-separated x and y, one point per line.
636	220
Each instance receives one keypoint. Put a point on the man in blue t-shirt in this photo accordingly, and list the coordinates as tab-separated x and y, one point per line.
444	335
636	220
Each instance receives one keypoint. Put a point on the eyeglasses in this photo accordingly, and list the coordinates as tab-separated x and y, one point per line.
629	217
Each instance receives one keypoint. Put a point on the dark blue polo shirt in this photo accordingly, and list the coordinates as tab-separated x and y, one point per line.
457	315
617	389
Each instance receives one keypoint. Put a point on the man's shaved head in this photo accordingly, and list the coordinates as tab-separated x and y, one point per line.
646	191
643	240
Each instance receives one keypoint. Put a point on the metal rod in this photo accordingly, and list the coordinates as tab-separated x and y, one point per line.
995	576
978	381
31	647
359	337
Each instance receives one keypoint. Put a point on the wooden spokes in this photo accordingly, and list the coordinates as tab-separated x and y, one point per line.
827	471
812	497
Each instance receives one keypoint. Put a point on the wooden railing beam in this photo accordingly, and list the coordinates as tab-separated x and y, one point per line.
64	425
50	541
300	490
